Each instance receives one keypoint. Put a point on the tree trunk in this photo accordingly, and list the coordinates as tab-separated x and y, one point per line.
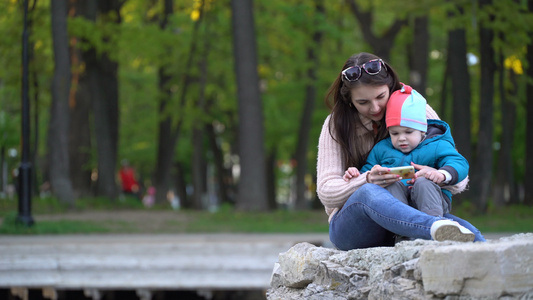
504	186
198	170
305	123
482	173
106	126
80	140
461	97
316	204
460	83
199	165
168	134
166	142
80	126
419	52
36	110
106	114
59	114
271	180
443	99
381	45
3	170
167	138
528	200
181	186
252	193
221	173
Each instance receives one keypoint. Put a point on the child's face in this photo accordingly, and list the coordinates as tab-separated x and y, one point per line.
405	139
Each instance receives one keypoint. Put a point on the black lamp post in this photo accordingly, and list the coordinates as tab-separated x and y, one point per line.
24	192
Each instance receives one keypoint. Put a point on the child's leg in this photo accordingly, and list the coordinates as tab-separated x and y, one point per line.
428	197
399	191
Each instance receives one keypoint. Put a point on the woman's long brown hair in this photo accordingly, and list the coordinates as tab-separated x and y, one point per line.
345	122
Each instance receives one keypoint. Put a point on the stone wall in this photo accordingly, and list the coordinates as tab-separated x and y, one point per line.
421	269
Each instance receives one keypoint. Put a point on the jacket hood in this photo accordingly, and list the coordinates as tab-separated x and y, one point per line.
437	130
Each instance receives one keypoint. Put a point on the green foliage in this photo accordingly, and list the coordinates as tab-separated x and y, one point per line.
512	218
9	130
11	30
10	59
508	19
284	31
138	122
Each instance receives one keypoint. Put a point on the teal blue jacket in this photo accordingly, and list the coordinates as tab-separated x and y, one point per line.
437	150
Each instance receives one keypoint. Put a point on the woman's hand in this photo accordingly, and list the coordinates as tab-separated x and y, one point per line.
380	175
350	173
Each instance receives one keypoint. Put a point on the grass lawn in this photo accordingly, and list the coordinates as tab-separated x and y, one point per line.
129	216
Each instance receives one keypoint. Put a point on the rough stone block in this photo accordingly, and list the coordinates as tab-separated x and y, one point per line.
299	265
479	269
500	269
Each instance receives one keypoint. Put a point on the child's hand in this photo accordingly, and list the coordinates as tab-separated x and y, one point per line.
350	173
435	176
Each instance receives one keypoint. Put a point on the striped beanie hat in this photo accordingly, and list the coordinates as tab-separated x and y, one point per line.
406	107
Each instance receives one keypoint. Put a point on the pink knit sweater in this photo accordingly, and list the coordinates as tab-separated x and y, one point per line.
332	190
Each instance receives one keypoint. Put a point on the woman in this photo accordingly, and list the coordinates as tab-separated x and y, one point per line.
361	212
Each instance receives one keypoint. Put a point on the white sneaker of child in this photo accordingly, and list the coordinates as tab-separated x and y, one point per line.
447	230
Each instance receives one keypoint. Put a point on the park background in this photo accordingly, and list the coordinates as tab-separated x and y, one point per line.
221	102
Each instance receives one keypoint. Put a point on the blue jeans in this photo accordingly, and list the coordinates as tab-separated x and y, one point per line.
371	217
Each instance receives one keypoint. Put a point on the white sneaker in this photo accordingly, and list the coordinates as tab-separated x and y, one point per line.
447	230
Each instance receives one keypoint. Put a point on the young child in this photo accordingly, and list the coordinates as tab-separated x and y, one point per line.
424	142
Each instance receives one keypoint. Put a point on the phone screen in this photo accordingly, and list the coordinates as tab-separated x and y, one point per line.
406	172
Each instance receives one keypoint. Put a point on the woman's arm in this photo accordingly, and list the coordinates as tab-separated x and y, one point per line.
430	113
332	190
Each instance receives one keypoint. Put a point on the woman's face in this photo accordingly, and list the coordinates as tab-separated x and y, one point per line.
370	101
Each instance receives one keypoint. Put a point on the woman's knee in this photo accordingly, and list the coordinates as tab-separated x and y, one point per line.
368	189
362	194
368	194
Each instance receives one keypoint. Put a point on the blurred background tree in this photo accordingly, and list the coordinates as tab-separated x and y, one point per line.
156	83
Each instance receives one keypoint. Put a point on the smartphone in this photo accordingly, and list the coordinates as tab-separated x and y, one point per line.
406	172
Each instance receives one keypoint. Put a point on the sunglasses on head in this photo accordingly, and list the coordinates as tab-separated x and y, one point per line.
371	67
